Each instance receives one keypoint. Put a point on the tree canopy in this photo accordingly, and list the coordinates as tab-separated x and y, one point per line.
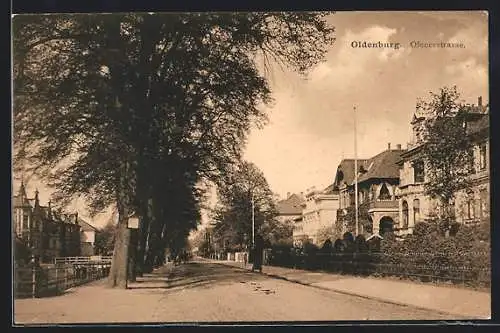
129	108
446	148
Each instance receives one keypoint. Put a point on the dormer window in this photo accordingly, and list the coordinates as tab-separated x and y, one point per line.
384	193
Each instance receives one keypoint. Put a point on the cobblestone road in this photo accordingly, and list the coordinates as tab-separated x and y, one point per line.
208	292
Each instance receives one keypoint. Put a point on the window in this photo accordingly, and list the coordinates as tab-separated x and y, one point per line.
405	214
384	193
416	210
25	220
470	209
483	203
418	169
482	157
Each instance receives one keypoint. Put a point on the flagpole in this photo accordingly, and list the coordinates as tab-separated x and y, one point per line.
356	171
253	220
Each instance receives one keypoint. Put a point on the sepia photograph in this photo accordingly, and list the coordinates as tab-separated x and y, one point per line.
250	167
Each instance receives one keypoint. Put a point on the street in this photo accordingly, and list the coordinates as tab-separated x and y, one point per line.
202	291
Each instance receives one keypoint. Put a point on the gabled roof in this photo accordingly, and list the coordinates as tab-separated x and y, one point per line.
18	202
345	172
383	165
290	205
85	226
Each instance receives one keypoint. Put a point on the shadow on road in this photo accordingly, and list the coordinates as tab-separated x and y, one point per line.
193	275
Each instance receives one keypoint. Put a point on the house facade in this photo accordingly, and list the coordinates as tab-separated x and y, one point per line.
377	180
472	204
319	211
87	238
290	211
46	232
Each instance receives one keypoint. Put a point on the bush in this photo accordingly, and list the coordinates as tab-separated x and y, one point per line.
425	255
432	256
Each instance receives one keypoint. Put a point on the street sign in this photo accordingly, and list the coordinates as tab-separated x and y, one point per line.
133	222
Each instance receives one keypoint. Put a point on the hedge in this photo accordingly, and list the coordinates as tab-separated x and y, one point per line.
426	255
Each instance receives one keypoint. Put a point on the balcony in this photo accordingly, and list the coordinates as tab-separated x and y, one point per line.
384	204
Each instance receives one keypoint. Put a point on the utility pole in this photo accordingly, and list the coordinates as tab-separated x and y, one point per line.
253	220
356	171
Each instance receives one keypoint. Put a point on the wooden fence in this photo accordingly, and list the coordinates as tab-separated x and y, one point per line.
83	260
39	281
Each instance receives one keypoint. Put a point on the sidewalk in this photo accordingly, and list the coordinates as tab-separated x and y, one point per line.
465	303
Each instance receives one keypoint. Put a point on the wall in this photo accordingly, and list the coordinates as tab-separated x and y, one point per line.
320	211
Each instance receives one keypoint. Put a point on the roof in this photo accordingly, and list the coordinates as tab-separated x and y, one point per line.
329	189
478	125
85	226
345	172
291	205
18	202
383	165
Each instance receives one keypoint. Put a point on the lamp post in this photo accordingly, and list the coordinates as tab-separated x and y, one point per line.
253	220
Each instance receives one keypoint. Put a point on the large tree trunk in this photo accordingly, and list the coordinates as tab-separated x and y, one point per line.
119	265
118	272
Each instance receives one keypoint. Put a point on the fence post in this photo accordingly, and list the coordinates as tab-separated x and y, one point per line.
57	281
65	277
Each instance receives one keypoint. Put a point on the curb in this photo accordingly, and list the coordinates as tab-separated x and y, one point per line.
460	316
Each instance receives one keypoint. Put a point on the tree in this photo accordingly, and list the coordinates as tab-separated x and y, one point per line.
446	149
105	239
116	107
245	189
324	234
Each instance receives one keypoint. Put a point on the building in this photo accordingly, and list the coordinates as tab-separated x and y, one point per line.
48	233
319	211
290	211
290	208
377	178
471	205
87	238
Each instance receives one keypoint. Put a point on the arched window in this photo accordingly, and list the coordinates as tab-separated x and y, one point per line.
405	214
384	193
416	210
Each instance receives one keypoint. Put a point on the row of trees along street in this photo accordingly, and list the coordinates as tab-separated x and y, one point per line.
140	110
243	198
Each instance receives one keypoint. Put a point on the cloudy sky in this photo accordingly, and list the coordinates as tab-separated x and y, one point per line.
311	125
311	121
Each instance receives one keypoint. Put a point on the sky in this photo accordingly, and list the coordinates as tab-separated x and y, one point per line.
311	121
311	124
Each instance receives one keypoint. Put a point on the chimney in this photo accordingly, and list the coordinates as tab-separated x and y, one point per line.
480	101
398	146
287	195
389	146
